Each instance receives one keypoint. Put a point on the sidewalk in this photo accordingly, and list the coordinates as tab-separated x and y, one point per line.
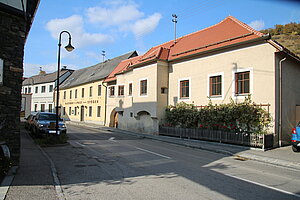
33	179
283	156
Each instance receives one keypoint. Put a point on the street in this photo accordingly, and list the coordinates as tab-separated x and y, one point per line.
102	164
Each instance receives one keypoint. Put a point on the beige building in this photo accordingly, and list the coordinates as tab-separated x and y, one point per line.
83	94
224	61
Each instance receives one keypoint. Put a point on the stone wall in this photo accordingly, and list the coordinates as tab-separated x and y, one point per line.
12	40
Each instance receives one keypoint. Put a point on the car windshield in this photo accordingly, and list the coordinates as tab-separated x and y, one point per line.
47	117
298	124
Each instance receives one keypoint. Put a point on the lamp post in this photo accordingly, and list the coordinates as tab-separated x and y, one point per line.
69	48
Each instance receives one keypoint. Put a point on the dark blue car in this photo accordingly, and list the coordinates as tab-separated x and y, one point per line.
296	138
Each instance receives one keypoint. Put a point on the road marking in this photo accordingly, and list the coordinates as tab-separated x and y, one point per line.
263	185
153	153
80	144
112	139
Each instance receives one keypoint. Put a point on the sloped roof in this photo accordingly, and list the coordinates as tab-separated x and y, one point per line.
122	66
44	78
227	32
95	72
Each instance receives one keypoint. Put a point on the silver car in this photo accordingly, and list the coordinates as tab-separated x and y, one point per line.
45	123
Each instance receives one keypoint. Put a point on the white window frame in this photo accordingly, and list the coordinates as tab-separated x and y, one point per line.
111	96
221	97
143	79
234	71
118	90
190	89
131	82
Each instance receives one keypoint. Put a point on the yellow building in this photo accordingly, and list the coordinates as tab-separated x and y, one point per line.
83	94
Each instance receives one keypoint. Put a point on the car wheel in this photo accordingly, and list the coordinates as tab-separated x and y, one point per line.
295	148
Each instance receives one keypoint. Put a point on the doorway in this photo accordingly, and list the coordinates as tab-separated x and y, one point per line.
82	113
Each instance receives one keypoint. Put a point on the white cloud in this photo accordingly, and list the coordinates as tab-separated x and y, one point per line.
257	24
74	24
114	16
125	15
145	26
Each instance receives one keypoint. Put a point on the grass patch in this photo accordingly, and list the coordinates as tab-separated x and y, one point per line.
51	140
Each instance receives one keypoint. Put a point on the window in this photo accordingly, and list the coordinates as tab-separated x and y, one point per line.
50	88
25	90
184	89
242	83
82	92
98	111
112	91
35	107
65	94
64	110
90	111
130	89
164	90
42	107
215	85
91	91
99	90
70	94
76	94
70	110
121	90
143	87
75	111
50	108
43	89
36	89
29	90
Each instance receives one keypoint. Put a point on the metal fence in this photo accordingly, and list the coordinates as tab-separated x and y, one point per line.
245	139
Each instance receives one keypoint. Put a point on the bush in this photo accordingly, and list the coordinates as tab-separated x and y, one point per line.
243	117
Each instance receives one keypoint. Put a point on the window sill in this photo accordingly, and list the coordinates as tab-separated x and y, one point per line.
242	95
216	97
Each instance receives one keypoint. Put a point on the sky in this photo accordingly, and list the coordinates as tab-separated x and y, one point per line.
121	26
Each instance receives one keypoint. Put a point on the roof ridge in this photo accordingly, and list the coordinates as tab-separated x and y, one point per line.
249	28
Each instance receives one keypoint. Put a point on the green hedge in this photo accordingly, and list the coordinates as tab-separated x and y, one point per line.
244	117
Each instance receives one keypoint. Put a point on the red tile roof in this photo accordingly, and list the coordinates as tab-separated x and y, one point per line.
227	32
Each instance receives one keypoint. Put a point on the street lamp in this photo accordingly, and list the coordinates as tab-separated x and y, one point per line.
69	48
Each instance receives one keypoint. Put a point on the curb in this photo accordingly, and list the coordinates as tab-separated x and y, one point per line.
57	184
7	181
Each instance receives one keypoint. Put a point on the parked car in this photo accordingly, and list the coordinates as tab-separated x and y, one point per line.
296	138
29	121
45	123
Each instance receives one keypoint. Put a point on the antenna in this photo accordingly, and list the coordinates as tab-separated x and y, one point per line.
175	22
103	54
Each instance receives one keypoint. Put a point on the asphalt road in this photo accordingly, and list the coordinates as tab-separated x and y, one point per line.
100	164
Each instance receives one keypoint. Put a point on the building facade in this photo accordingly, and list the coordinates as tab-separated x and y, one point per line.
83	94
41	87
229	60
15	22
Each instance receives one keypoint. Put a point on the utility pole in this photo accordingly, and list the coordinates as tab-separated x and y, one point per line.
175	22
103	54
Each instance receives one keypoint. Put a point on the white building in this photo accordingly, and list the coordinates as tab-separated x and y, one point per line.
42	89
